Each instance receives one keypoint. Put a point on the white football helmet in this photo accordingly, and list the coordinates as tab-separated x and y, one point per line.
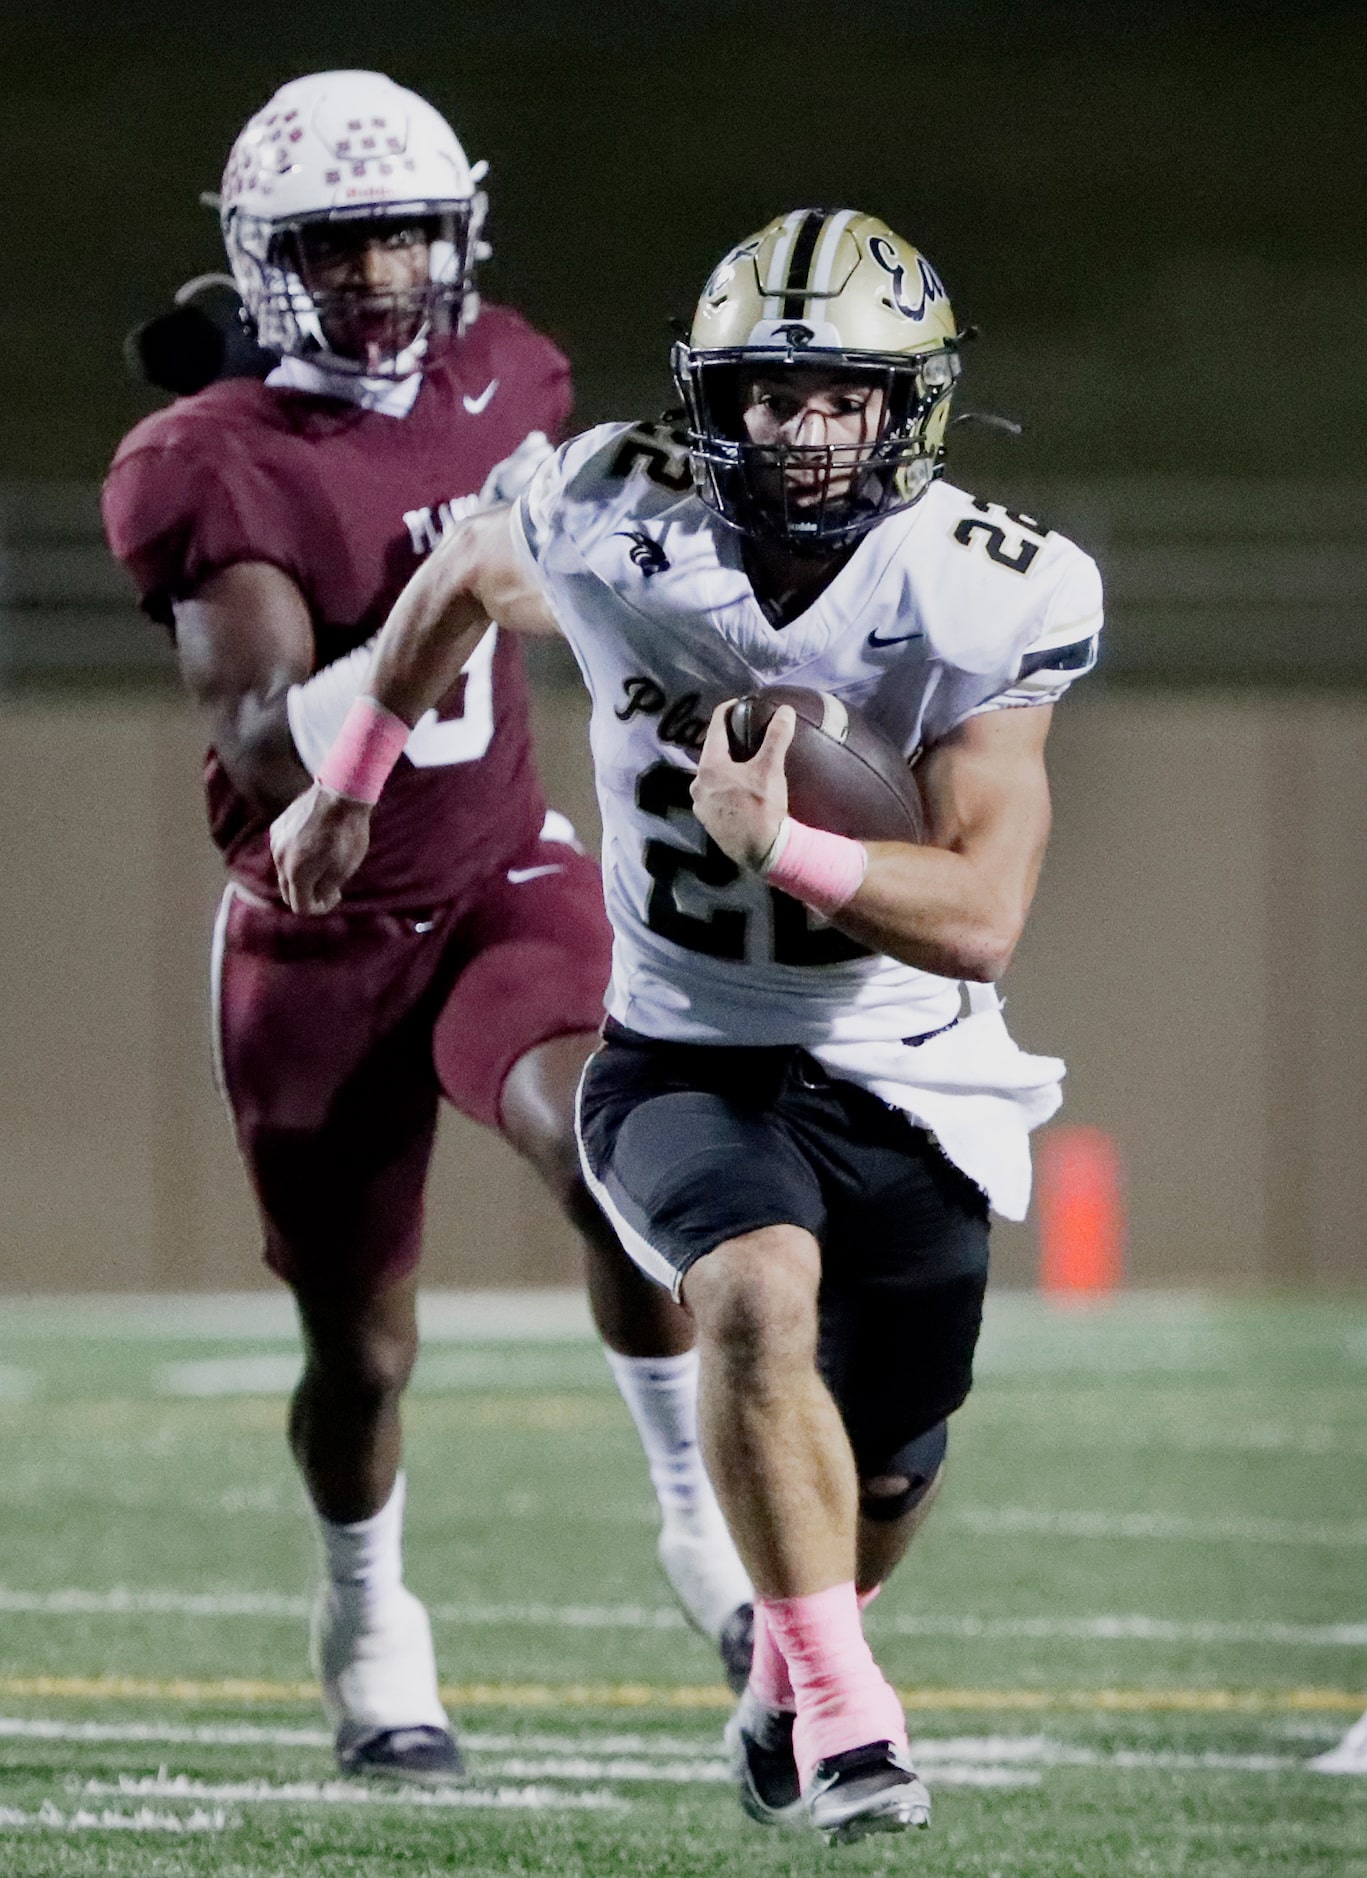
819	290
339	147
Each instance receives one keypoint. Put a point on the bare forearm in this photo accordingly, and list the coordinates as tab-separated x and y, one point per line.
958	904
252	736
939	911
438	620
436	624
473	578
955	905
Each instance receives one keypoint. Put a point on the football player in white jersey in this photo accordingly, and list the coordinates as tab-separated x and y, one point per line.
807	1099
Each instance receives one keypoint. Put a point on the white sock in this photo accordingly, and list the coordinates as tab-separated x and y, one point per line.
662	1394
364	1559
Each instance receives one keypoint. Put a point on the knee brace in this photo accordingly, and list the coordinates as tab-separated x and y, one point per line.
916	1464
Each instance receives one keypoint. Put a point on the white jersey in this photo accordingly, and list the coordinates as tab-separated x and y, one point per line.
945	609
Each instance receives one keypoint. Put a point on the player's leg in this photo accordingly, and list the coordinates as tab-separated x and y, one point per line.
371	1641
905	1261
344	1428
893	1505
786	1474
519	1022
778	1455
648	1340
334	1103
895	1498
687	1150
536	1114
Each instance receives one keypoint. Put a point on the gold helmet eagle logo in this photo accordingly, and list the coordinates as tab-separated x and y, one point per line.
829	289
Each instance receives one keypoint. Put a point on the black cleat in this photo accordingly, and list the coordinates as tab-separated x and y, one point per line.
421	1756
864	1790
736	1645
759	1742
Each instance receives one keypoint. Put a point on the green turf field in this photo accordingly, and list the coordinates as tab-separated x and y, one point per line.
1140	1606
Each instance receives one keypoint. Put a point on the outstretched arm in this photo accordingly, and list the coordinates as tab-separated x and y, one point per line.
956	905
475	577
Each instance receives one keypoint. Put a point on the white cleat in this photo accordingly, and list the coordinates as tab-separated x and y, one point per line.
1350	1756
379	1679
702	1564
864	1790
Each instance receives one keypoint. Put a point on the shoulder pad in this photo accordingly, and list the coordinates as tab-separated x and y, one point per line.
601	475
658	451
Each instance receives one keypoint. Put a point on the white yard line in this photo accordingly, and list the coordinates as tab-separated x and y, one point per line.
994	1761
121	1602
1042	1522
1127	1628
1023	1332
1105	1627
563	1616
1041	1750
50	1818
167	1786
1114	1425
586	1755
229	1376
164	1733
483	1370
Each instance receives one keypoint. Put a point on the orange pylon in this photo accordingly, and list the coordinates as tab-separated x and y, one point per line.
1081	1211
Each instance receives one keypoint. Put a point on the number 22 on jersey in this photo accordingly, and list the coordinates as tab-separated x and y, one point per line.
663	791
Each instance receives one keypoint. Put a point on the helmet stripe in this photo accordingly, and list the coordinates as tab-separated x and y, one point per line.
798	287
772	288
824	265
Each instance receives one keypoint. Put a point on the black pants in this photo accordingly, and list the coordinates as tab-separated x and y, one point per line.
689	1145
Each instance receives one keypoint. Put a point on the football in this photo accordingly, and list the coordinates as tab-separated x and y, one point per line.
844	774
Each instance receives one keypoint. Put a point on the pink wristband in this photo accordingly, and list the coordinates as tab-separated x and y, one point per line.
820	869
364	751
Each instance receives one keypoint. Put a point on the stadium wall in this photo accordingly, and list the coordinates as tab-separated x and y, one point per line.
1194	954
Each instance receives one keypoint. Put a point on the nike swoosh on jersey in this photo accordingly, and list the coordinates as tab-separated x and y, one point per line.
475	405
518	874
901	639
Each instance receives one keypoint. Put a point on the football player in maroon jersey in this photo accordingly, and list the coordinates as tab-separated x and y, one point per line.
271	525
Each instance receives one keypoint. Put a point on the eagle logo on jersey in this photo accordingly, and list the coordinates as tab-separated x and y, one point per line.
646	552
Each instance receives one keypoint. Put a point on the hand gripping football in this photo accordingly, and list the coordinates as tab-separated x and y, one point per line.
844	774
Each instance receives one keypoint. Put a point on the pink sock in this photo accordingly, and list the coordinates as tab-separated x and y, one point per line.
843	1699
769	1676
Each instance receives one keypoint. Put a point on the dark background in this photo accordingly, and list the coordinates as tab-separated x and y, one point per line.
1157	216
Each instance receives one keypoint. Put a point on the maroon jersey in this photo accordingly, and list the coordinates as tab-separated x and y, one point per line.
347	502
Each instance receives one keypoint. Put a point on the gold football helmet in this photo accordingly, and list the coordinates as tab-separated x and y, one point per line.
831	290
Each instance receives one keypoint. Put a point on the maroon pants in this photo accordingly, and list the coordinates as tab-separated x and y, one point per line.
336	1036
